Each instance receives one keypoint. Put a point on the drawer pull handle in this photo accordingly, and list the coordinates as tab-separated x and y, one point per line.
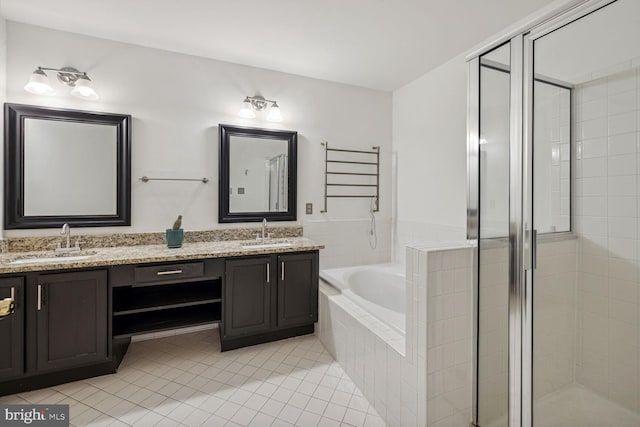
168	272
39	297
13	293
283	270
267	273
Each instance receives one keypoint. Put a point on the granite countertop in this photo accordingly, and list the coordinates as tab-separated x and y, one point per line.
150	253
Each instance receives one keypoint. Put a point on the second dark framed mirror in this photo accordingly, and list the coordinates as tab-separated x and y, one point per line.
258	174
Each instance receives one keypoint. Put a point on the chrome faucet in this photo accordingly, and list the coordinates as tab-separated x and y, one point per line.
66	230
264	228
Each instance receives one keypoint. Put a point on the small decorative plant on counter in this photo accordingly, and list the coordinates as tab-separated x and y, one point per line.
175	235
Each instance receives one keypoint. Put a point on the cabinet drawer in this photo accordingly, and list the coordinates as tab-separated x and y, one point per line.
168	272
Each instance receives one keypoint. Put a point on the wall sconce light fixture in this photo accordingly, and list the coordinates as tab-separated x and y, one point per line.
81	83
258	103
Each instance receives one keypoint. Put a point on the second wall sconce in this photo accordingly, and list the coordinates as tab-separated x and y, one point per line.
258	103
81	83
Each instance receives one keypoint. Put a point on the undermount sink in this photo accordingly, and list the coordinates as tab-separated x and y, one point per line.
45	258
267	245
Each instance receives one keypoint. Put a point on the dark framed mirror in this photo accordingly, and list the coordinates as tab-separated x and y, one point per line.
66	166
258	174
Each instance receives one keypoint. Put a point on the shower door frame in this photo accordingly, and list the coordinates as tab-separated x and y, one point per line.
522	237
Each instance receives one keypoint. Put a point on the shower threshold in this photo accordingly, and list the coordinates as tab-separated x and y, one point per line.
576	405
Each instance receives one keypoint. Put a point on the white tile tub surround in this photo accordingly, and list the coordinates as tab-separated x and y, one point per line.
418	233
607	205
424	378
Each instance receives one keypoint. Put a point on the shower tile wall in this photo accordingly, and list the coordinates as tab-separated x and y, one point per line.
607	189
554	328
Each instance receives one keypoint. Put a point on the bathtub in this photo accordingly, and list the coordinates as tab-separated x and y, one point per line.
380	289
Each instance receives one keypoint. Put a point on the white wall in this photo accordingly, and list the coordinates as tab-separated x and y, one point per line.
429	139
177	101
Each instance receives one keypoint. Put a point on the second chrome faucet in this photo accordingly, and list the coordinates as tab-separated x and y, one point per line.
66	231
264	235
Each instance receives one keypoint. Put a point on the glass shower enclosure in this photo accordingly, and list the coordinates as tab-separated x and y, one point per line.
554	206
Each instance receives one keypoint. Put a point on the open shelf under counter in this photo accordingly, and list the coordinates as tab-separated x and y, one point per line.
130	299
156	321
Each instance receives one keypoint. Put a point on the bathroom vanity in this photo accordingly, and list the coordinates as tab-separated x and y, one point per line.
74	319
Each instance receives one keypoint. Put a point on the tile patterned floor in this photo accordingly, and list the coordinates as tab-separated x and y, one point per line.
185	380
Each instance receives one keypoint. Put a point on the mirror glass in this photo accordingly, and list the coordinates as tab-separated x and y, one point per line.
79	158
66	166
257	174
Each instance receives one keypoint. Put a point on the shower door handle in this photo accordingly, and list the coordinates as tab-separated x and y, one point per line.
534	249
531	258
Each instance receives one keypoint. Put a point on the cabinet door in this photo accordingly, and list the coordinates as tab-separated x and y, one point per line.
247	296
297	289
72	313
12	330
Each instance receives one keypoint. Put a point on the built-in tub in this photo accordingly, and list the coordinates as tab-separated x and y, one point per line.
380	289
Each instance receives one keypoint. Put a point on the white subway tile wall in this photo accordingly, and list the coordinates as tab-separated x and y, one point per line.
554	327
607	205
555	305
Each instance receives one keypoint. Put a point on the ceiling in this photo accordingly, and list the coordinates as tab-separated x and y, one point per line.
379	44
601	43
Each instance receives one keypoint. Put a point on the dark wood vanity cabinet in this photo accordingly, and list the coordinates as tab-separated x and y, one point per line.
12	330
74	324
59	331
71	319
297	289
269	297
247	296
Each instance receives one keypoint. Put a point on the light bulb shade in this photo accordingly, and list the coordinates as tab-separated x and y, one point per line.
84	89
247	110
274	114
39	84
